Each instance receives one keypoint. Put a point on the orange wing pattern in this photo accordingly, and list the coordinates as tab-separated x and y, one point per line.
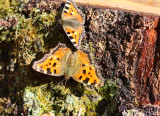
70	10
53	63
74	35
86	73
73	21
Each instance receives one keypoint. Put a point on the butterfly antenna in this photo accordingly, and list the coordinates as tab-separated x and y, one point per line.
56	25
59	83
58	22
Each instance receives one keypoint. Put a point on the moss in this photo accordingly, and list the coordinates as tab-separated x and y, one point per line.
109	93
109	90
60	101
37	100
8	8
19	45
8	13
34	34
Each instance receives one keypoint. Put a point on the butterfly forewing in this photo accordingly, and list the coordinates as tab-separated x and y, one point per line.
53	63
86	73
72	22
62	61
71	13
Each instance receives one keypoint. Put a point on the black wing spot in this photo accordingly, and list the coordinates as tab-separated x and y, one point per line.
66	7
49	63
70	37
71	14
73	31
57	59
55	71
50	58
90	68
65	11
80	77
84	71
68	3
68	32
74	42
95	82
89	73
54	64
86	80
83	65
49	71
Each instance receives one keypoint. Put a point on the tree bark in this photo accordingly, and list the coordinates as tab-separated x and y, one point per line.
124	46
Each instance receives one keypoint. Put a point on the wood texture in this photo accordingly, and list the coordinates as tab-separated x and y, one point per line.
124	46
140	6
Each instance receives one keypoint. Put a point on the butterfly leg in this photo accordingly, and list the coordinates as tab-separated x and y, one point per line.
66	79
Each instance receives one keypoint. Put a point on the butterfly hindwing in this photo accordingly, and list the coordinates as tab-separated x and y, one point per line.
72	22
53	63
74	35
86	72
62	61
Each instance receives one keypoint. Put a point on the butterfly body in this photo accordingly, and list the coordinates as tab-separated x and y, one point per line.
72	23
62	61
70	65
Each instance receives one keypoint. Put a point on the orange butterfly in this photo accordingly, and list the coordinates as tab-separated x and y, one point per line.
72	22
62	61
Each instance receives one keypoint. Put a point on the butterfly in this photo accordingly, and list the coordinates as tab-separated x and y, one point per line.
62	61
72	23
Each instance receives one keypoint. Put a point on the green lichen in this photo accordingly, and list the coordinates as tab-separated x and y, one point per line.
109	90
109	93
8	10
8	7
37	100
19	45
60	100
